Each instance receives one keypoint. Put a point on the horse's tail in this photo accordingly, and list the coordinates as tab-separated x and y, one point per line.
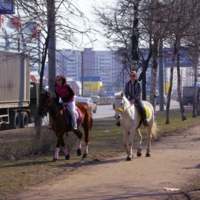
91	122
154	130
89	116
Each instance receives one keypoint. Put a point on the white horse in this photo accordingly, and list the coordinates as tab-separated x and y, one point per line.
130	120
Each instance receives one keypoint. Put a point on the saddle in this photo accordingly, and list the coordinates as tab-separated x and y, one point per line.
139	112
68	116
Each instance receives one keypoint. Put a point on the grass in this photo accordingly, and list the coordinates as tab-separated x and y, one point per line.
25	164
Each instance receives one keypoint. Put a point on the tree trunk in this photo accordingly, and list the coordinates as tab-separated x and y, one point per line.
195	86
135	37
169	91
178	85
154	72
142	76
144	82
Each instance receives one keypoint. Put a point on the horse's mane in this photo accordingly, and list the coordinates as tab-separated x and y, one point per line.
52	96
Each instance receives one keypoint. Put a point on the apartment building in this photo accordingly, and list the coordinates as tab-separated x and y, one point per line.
68	63
75	64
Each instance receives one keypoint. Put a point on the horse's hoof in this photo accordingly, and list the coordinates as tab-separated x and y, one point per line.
139	154
85	155
78	152
67	157
128	159
55	159
148	154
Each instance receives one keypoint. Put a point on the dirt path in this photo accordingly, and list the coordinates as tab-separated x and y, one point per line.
174	163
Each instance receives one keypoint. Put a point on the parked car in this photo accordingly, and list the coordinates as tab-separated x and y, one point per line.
88	102
96	99
164	100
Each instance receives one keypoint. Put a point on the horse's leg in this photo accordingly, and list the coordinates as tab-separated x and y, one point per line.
86	139
149	136
57	150
79	147
65	150
130	145
87	127
79	135
125	141
139	142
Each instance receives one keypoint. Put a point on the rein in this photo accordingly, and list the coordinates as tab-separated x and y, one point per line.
44	109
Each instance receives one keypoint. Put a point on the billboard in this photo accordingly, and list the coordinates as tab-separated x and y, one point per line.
186	59
7	7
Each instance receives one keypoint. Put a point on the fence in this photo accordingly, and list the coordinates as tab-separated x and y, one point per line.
106	100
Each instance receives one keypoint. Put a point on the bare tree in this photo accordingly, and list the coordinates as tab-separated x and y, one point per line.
181	18
118	23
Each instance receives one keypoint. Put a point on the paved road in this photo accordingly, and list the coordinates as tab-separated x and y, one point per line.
107	111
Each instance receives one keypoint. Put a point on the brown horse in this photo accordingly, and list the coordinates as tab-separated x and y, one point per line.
60	125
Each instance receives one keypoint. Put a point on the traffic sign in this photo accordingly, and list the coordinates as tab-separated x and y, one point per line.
7	7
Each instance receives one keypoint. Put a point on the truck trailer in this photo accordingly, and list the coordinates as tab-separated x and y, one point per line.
18	97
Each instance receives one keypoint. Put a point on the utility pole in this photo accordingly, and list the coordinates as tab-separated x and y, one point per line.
161	75
82	74
52	44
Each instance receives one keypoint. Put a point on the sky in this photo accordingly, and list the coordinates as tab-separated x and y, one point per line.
86	6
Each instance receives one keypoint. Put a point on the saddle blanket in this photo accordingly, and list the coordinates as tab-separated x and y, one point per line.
67	113
147	112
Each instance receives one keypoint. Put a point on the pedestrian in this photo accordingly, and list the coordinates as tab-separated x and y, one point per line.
64	92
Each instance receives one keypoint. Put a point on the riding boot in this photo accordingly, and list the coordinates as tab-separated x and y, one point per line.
145	122
143	114
74	123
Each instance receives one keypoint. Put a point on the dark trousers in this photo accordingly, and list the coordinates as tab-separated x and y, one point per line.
141	109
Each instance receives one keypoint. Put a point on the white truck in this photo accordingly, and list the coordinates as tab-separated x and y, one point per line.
18	97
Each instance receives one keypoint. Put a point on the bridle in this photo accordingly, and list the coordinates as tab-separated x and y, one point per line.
42	108
121	109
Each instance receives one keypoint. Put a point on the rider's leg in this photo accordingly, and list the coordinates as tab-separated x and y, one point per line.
143	112
72	107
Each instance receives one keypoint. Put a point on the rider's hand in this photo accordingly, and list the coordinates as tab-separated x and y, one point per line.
132	101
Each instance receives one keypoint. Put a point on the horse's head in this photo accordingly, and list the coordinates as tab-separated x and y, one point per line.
45	102
119	102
